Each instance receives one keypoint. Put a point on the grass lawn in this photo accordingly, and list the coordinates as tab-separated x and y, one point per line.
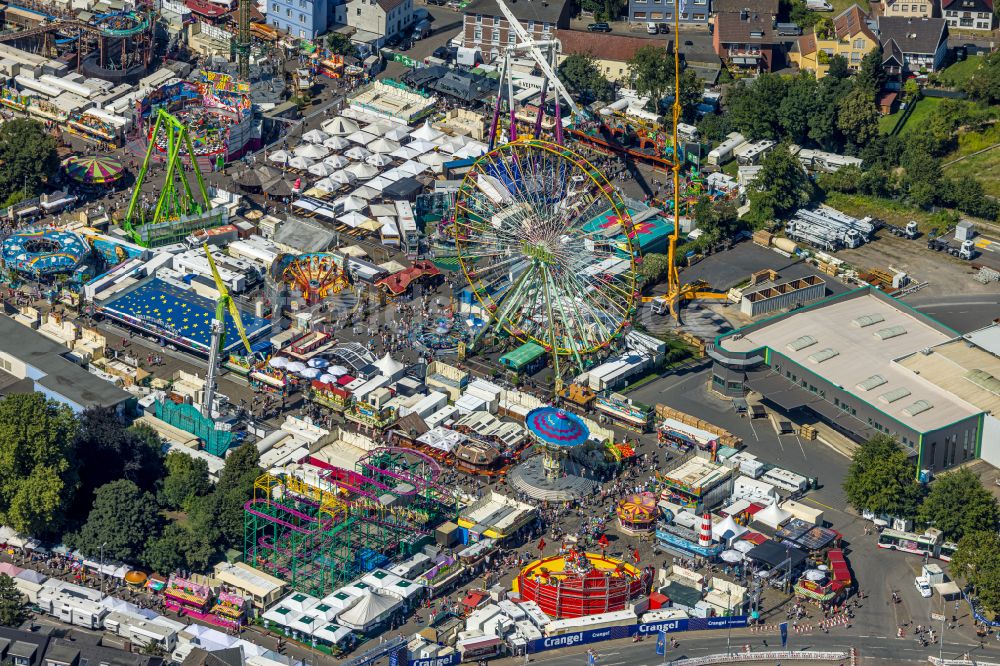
958	73
916	120
985	167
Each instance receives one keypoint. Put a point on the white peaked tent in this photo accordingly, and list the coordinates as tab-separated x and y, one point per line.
364	138
336	143
371	609
321	169
365	192
300	163
378	160
315	136
340	126
354	219
357	153
426	133
420	146
351	203
405	153
398	133
279	156
382	145
312	151
380	127
336	161
389	367
326	185
362	171
727	529
433	160
343	177
772	516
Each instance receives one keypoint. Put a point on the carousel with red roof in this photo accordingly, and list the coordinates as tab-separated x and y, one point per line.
576	584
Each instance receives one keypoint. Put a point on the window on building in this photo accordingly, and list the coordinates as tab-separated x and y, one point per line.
478	35
531	26
718	381
479	19
495	36
288	12
274	7
511	38
546	27
359	11
302	18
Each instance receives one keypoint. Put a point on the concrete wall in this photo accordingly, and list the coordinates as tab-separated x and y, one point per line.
991	441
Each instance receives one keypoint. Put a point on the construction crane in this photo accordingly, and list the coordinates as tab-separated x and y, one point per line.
219	334
546	63
676	292
242	42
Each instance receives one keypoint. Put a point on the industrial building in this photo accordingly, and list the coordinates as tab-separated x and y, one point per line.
859	361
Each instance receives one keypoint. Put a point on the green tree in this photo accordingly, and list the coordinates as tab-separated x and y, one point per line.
109	451
837	67
652	71
340	44
977	563
845	179
28	156
958	504
124	517
202	524
165	553
235	487
186	479
797	107
11	603
882	479
754	108
653	268
718	219
780	188
984	84
858	116
580	73
37	468
714	127
911	91
871	75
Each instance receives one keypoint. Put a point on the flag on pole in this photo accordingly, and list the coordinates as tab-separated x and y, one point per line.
541	545
661	643
603	541
635	555
784	634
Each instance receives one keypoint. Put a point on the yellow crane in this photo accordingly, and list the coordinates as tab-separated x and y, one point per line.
218	342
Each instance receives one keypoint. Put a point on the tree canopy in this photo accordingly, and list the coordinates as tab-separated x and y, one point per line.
186	479
984	84
580	73
29	159
977	562
235	486
882	479
124	517
781	187
652	71
958	504
37	467
653	268
11	603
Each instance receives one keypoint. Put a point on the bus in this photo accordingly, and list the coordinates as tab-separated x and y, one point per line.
929	543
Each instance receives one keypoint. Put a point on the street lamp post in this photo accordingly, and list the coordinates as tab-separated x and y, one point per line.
729	620
102	566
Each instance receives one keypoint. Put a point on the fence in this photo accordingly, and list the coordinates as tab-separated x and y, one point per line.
776	656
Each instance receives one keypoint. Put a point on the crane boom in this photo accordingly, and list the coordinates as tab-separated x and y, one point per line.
536	55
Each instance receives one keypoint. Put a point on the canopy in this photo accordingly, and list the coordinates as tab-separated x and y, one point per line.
96	169
731	556
336	143
772	515
398	133
326	378
318	362
364	138
312	151
336	161
315	136
351	203
362	171
380	127
412	168
357	153
420	146
354	219
278	362
310	373
426	132
279	156
340	126
365	192
382	146
555	427
326	185
433	160
336	370
470	150
727	529
378	160
743	546
300	163
321	169
296	366
343	177
378	184
405	153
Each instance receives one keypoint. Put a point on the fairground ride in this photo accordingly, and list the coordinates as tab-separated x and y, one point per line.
323	531
178	210
545	242
219	334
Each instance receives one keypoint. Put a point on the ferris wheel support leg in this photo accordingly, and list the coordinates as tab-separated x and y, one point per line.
552	328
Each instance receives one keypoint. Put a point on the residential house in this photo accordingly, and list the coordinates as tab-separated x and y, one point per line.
909	8
693	12
763	8
851	35
306	19
375	21
485	28
747	42
968	14
611	54
911	46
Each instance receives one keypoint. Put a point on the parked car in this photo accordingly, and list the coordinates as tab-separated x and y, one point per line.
662	28
406	45
394	41
445	53
650	28
923	586
599	27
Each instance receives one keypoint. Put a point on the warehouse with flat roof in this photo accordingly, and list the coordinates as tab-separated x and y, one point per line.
865	364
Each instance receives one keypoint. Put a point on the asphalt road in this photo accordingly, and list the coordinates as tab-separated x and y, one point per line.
962	313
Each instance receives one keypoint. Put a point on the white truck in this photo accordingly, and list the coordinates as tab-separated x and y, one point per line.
819	5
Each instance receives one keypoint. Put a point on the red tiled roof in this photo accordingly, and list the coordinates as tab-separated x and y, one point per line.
206	9
617	48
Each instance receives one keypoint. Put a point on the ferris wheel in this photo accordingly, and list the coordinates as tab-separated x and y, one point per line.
546	243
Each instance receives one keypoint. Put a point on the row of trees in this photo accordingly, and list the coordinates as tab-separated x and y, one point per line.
29	159
91	482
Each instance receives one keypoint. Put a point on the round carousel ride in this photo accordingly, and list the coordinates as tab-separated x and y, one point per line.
637	513
549	476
